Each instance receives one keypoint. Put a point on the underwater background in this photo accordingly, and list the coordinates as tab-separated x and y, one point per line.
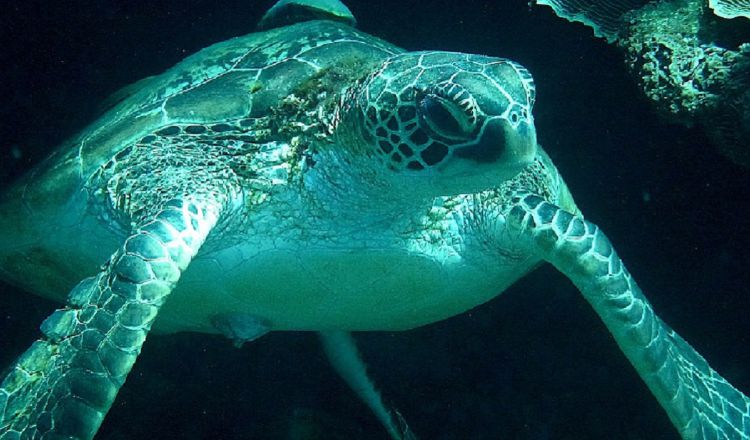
534	363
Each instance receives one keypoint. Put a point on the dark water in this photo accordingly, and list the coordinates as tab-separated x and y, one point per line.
534	363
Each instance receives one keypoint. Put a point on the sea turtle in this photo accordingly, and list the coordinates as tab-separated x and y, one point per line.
308	177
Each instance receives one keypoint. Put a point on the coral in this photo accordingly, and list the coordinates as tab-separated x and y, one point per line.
670	48
731	8
688	62
604	17
681	75
728	125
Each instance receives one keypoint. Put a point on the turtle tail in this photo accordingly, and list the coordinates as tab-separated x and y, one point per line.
65	383
700	403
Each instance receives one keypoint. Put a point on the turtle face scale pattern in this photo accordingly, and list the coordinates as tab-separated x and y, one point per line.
449	115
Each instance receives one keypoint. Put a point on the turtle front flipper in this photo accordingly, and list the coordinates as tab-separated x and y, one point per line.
700	403
63	385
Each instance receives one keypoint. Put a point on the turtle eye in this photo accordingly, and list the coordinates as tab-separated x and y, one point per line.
443	117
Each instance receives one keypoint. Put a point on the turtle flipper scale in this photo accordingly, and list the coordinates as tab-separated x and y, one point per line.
63	385
700	403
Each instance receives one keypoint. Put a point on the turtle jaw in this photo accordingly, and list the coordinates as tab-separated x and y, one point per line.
501	153
521	146
501	144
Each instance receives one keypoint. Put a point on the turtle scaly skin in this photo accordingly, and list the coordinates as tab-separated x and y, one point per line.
65	383
700	403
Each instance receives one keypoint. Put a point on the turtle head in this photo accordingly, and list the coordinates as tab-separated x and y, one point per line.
448	122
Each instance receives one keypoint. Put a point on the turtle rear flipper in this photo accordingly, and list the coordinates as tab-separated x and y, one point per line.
700	403
63	385
342	352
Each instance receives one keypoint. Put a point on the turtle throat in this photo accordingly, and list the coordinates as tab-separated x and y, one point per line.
355	189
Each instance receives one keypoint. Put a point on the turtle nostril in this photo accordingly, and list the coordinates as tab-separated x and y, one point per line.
490	146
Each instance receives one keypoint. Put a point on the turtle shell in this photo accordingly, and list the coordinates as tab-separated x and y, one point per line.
241	78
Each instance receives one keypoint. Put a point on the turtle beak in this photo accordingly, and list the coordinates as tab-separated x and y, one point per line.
502	143
521	141
490	147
